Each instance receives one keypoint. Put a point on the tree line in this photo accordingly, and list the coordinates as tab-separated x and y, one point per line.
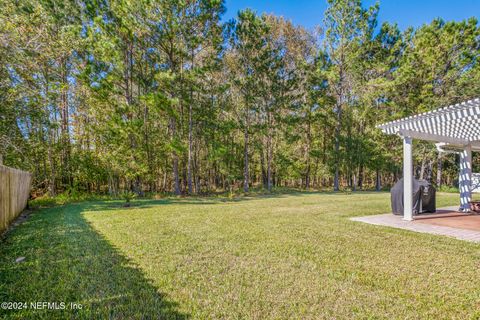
166	96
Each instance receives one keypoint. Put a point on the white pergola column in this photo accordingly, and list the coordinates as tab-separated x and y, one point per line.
407	179
465	178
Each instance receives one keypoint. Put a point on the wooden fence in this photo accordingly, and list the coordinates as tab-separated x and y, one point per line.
14	192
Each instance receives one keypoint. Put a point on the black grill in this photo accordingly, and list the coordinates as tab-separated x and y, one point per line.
423	196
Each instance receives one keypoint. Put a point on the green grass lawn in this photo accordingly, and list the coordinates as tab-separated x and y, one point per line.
271	257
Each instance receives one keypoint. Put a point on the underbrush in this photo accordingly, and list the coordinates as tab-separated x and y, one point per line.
72	195
64	198
448	189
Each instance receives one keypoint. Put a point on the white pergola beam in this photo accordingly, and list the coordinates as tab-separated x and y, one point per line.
465	178
431	137
407	179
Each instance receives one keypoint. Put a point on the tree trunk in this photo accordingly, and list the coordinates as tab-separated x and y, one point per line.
190	142
336	185
269	153
190	137
429	171
439	169
176	179
307	152
422	169
52	170
361	177
245	154
64	120
340	100
262	167
110	185
164	182
378	181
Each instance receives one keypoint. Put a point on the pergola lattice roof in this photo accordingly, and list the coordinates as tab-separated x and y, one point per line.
457	124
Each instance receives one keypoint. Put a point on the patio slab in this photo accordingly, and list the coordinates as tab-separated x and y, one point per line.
446	221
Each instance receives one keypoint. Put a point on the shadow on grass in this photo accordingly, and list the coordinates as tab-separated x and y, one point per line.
67	261
148	203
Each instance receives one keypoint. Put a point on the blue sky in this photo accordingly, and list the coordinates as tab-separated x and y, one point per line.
405	12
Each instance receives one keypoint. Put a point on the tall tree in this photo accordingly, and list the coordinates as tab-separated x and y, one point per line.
250	55
347	26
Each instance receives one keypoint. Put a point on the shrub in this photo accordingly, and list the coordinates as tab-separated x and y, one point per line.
41	202
128	196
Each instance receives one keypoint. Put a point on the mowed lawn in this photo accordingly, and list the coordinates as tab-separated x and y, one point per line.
291	256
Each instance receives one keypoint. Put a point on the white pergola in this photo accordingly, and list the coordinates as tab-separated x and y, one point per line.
454	127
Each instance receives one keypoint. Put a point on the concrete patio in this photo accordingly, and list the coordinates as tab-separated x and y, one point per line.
446	221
